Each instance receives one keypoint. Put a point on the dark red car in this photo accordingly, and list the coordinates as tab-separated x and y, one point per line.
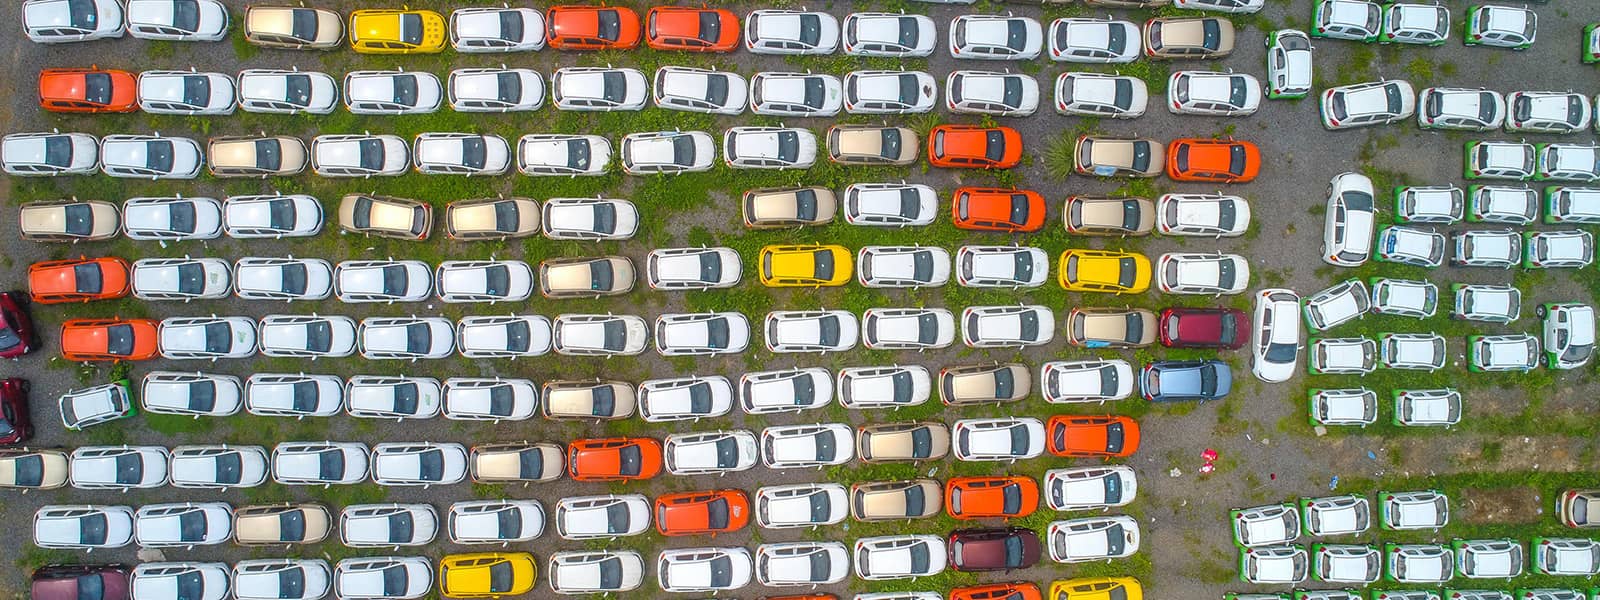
1227	328
997	549
80	582
15	427
17	336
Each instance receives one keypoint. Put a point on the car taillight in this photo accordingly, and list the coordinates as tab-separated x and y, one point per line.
1176	104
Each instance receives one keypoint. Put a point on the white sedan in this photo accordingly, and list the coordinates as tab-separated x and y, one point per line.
180	278
1189	273
206	337
397	92
998	439
287	279
796	94
810	331
483	281
598	89
406	338
186	93
495	89
1212	93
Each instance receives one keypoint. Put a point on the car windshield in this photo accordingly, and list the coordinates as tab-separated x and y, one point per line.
717	514
1211	31
789	148
186	15
614	86
190	585
419	338
908	31
610	570
727	452
303	24
58	150
119	340
411	28
196	90
218	337
191	526
508	521
919	558
497	280
1392	92
405	89
890	145
230	467
508	86
578	154
1354	200
1141	155
1280	353
605	218
370	152
995	145
683	150
97	88
88	277
629	460
717	89
158	155
510	25
609	25
268	156
710	26
815	92
500	577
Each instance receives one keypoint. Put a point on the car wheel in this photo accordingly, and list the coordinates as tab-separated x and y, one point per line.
1541	311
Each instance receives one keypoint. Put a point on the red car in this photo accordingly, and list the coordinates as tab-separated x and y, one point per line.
114	339
990	497
614	459
992	549
15	427
91	90
1222	328
1020	590
78	280
974	147
692	29
997	209
1086	436
700	513
592	27
17	336
78	582
1221	161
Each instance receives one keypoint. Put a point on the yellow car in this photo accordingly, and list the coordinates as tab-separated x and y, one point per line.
396	31
1097	588
487	574
1104	271
806	265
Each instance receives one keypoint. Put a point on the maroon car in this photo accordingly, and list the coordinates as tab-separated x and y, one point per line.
1204	328
17	336
15	427
80	582
996	549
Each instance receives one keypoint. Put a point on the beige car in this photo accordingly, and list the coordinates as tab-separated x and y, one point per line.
913	441
281	524
1188	37
293	27
525	462
384	216
70	221
491	219
598	399
1119	157
33	469
872	145
590	277
896	500
1111	327
767	208
273	156
1102	215
980	384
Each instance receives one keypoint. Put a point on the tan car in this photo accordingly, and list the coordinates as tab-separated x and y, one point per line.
590	277
281	524
1102	215
293	27
1111	327
872	145
33	469
1119	157
598	399
980	384
913	441
1188	37
70	221
273	156
896	500
525	462
491	219
384	216
768	208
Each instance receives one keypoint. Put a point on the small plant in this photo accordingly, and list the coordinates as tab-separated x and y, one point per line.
1059	159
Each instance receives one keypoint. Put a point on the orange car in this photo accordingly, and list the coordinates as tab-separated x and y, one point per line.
1104	435
974	147
1020	590
614	459
91	90
693	29
1221	161
117	339
997	209
592	27
968	498
698	513
78	280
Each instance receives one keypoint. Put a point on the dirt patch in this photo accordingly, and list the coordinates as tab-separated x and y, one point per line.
1499	506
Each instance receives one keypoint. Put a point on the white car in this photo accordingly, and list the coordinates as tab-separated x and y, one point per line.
1568	162
1223	6
800	505
1091	40
667	152
388	525
509	336
59	21
769	148
995	37
1500	160
178	20
382	281
1491	353
1356	356
1005	438
894	35
1547	112
163	580
1370	103
1442	204
806	446
150	156
406	338
801	563
899	557
191	394
495	89
424	464
684	398
1336	305
287	279
907	328
310	336
1411	246
1007	326
1355	20
1093	538
1502	204
1212	93
493	399
1351	406
495	521
1566	556
594	517
1487	248
598	89
173	218
1415	351
1502	26
559	154
1208	215
796	94
1424	24
218	467
786	390
1084	488
1275	339
699	90
890	204
1336	515
180	278
599	335
397	92
279	91
281	579
810	331
118	467
1088	94
85	526
271	216
1426	509
293	395
902	266
386	578
476	30
1094	380
206	337
50	153
1573	248
483	281
359	155
466	154
1462	109
1568	333
1289	64
1348	221
1215	274
1489	303
777	31
87	407
601	572
320	463
693	268
186	93
889	92
711	452
589	219
1488	559
1274	565
702	334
